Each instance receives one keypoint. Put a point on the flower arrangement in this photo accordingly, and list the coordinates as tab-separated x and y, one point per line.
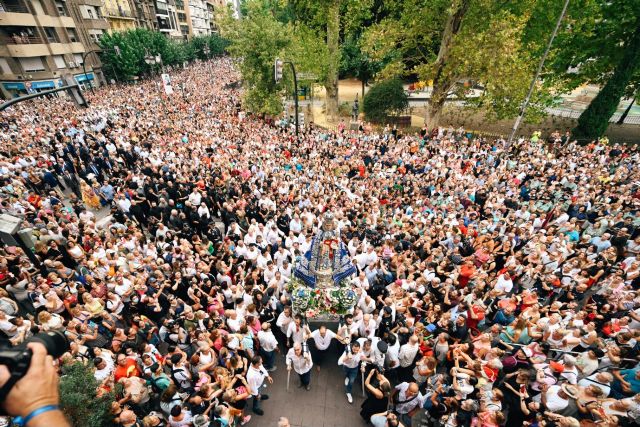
315	302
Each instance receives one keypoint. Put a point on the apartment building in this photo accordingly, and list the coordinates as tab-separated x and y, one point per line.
40	42
167	18
144	12
199	18
119	14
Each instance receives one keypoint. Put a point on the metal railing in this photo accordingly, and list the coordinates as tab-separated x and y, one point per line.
119	13
568	113
22	39
13	6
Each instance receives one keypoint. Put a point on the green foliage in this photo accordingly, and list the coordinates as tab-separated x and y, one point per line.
496	46
355	63
385	99
135	44
258	39
78	398
594	121
594	43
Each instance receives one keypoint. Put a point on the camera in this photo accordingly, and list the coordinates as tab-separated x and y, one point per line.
17	359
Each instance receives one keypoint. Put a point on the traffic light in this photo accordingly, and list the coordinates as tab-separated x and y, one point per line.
278	70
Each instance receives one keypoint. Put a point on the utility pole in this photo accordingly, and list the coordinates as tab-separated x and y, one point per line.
525	104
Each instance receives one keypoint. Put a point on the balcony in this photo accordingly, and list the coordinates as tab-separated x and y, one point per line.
21	39
15	14
13	6
117	13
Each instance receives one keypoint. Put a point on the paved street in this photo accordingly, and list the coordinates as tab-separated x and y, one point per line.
325	405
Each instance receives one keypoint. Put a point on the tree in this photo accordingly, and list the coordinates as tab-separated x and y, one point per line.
601	47
79	400
355	63
134	45
594	121
257	40
385	99
458	45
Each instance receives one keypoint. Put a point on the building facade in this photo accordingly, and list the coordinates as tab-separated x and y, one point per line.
199	22
144	12
40	45
119	15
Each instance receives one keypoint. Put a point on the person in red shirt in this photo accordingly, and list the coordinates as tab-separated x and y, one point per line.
467	270
126	368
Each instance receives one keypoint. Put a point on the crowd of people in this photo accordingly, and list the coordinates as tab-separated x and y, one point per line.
497	285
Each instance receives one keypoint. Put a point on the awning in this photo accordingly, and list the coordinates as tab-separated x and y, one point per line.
82	77
43	85
14	86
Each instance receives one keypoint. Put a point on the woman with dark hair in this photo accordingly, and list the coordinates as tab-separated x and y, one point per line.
378	390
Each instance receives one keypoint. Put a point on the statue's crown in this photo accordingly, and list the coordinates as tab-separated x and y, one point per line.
329	222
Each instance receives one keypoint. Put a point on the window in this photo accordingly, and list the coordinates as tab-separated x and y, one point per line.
62	8
77	57
52	36
32	64
59	61
90	13
4	66
95	35
73	35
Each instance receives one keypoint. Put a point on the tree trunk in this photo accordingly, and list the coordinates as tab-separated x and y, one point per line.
364	83
331	84
441	82
594	121
626	112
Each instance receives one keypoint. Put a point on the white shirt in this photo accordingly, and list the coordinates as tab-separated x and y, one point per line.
255	378
554	402
350	360
323	343
267	340
283	322
408	354
301	364
295	333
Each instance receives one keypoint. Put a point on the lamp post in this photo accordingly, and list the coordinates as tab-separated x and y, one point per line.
206	51
153	60
525	103
115	49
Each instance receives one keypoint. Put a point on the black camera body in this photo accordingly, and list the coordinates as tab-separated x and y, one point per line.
18	359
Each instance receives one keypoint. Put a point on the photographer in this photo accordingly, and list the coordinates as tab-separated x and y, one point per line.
34	399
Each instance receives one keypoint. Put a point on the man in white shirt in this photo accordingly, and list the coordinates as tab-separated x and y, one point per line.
321	342
407	356
268	346
301	363
256	375
281	255
350	362
297	333
367	327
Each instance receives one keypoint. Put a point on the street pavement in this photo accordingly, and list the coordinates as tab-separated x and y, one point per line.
325	405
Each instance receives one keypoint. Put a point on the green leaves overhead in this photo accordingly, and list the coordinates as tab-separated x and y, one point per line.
257	40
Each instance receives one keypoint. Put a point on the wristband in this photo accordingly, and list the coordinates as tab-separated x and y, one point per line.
21	422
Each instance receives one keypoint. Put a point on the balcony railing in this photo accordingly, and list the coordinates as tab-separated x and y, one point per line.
118	13
19	39
13	6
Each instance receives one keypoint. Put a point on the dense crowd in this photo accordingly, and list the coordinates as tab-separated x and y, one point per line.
497	285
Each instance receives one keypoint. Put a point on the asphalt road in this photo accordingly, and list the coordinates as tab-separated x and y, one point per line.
325	405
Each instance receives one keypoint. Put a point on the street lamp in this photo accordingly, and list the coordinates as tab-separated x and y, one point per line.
152	60
206	51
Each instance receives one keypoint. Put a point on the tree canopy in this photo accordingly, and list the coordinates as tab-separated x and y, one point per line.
128	60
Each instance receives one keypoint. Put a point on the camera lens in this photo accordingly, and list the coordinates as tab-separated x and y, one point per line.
55	342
